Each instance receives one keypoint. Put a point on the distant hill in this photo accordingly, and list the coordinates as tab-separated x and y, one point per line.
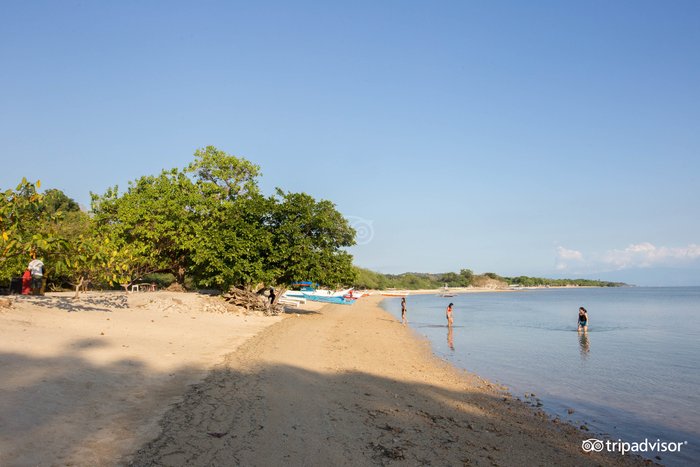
367	279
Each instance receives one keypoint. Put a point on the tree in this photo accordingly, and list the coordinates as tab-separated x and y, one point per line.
69	229
56	201
93	258
24	228
308	238
211	222
467	276
232	245
155	217
225	176
451	279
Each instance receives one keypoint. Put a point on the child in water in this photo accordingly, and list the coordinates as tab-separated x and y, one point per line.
403	310
582	319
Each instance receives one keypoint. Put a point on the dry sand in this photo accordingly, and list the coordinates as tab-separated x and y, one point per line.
85	382
167	379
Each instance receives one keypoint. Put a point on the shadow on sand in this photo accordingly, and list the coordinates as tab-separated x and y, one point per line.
275	415
103	302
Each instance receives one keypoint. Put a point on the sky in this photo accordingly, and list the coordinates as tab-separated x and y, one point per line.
548	138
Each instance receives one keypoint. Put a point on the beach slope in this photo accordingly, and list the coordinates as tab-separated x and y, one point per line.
84	382
351	386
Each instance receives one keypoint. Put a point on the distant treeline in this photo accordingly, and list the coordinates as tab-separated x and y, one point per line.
465	278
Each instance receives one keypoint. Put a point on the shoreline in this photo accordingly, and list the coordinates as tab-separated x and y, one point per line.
172	379
352	386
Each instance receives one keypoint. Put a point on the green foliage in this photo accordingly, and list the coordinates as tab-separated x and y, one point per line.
24	228
308	238
156	217
206	225
232	245
224	176
467	276
56	201
210	222
92	259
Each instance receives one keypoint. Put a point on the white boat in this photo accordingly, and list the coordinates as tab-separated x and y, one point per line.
318	293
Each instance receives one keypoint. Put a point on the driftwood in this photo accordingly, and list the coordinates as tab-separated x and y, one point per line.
252	301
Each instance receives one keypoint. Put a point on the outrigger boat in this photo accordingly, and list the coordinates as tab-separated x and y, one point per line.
309	291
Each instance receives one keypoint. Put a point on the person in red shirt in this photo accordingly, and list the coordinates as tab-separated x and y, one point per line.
27	283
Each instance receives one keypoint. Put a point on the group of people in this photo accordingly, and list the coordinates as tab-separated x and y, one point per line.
582	316
448	313
33	278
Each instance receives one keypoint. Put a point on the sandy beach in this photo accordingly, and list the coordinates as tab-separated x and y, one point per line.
170	380
84	382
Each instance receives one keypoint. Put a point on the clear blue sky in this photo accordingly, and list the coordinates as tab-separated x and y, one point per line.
537	138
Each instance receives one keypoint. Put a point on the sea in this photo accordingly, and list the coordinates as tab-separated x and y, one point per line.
634	376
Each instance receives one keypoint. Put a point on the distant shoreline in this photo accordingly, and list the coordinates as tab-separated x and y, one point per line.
466	290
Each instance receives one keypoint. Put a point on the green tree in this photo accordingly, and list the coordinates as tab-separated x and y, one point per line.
467	276
232	245
308	238
92	259
24	228
156	217
56	201
211	222
224	176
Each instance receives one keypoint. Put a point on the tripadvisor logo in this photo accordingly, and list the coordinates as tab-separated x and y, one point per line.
623	447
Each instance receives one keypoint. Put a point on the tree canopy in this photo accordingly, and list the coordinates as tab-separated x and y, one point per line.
207	223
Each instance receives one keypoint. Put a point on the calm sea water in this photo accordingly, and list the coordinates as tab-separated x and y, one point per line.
634	375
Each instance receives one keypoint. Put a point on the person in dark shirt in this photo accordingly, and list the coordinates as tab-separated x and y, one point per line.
582	320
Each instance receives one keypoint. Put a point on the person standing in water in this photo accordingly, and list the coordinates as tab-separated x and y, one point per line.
582	320
448	315
403	310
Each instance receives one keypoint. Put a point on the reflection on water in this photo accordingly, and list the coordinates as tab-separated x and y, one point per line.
450	338
584	344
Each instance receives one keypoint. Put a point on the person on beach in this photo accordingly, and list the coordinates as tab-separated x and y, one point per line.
582	320
36	269
27	282
403	310
448	314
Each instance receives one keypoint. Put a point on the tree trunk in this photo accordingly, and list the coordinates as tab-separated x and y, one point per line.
77	288
278	295
179	274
